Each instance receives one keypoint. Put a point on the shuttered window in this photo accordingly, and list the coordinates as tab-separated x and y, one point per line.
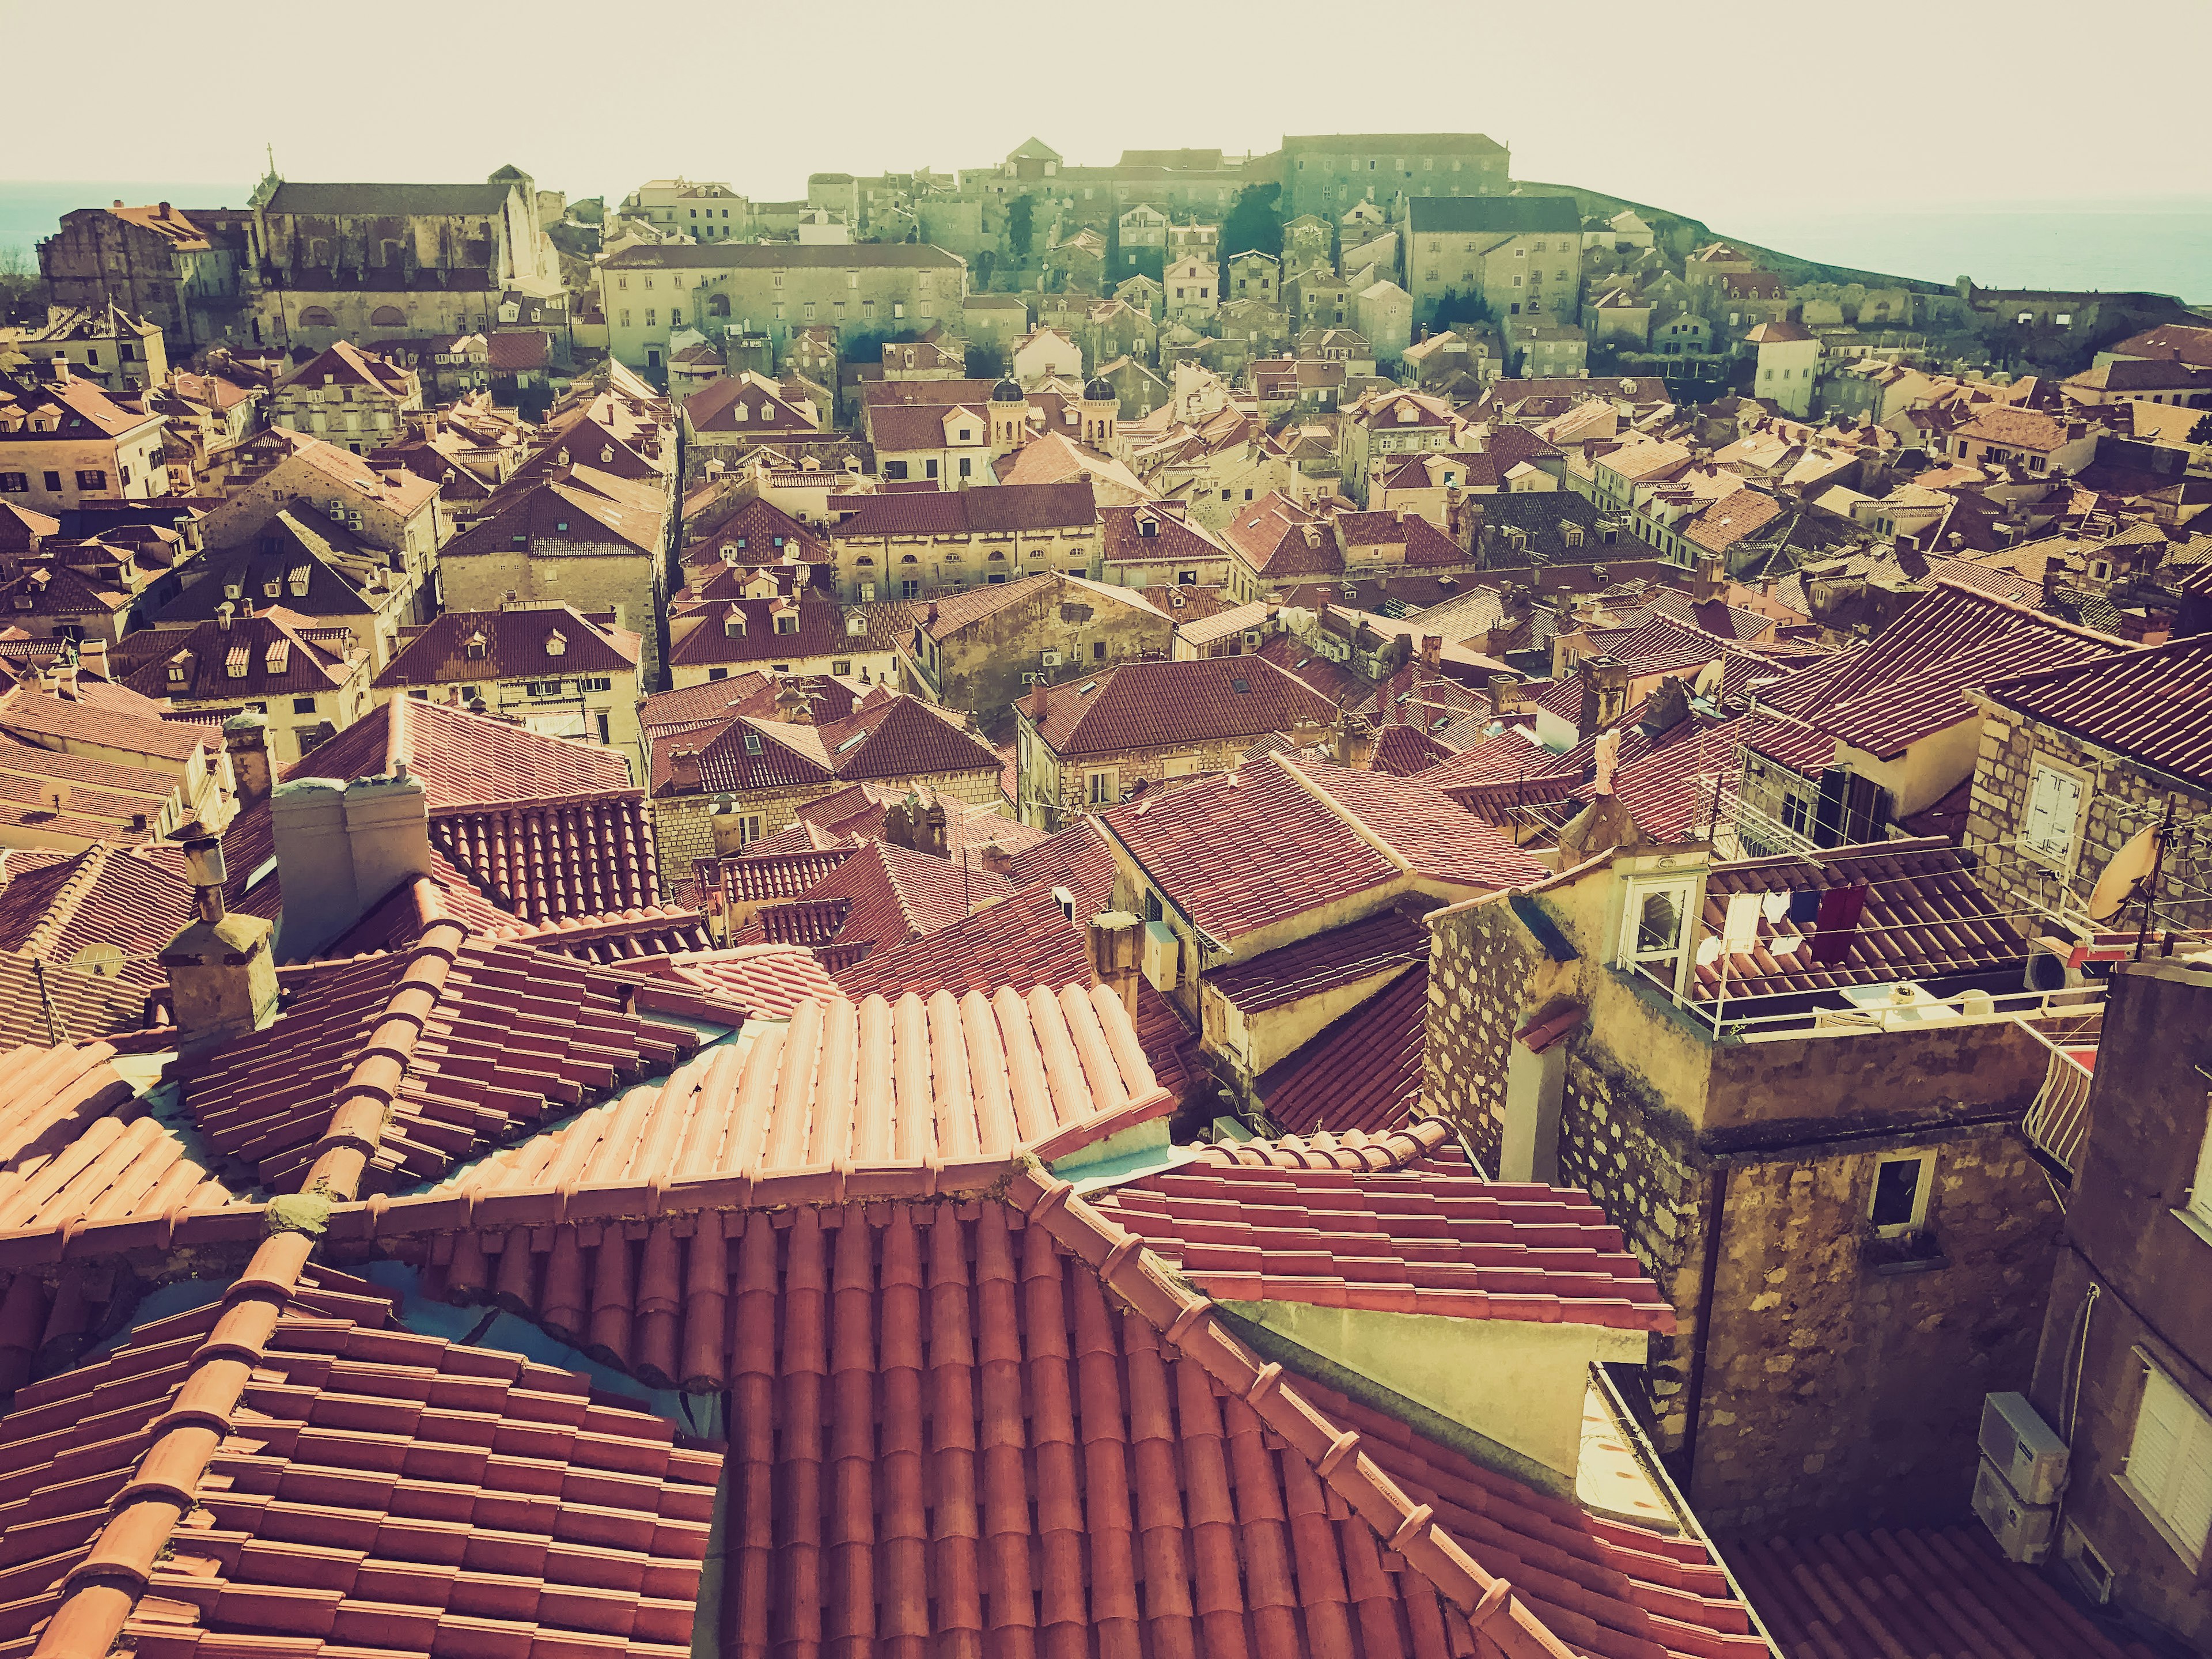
2054	805
2200	1191
2170	1462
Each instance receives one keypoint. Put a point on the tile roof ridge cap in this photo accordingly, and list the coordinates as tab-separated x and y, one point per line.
356	1127
1189	1323
2028	612
102	1590
68	898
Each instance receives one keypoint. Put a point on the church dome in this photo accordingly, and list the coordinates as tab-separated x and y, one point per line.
1096	391
1008	392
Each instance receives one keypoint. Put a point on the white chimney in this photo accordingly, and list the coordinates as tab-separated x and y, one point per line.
342	849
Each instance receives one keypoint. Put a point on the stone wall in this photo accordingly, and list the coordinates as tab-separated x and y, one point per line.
1480	961
1843	1388
592	580
2003	776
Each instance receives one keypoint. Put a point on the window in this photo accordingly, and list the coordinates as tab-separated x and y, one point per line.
303	705
1898	1204
625	317
787	624
1154	910
1098	651
543	689
967	466
841	666
718	673
1101	788
596	682
2169	1468
2054	810
1655	925
14	483
92	478
651	318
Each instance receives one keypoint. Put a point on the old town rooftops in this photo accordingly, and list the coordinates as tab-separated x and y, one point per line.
1145	705
508	645
989	510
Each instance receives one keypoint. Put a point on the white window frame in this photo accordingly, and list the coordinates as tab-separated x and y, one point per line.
1102	786
1925	1183
2063	859
2169	1473
1684	891
2198	1207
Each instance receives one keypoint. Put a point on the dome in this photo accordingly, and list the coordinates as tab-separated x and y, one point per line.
1096	391
1008	392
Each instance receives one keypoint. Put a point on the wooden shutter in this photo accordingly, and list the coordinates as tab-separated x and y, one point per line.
2170	1461
2054	801
2200	1193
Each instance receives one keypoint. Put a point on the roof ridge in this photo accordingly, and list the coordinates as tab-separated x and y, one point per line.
69	898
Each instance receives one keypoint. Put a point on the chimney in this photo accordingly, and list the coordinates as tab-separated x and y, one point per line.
1353	742
728	824
92	657
1433	651
1605	696
1115	940
2147	627
683	769
1506	694
222	973
342	849
1706	584
245	739
996	859
160	209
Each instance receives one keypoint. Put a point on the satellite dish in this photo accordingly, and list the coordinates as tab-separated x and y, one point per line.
2130	868
1708	682
100	961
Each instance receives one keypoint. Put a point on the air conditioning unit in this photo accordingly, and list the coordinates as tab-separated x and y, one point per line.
2022	1530
1028	678
2023	1447
1163	955
1050	659
2049	970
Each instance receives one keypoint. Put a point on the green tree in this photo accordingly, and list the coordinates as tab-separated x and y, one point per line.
1021	225
987	362
2201	432
1113	247
1255	225
1454	308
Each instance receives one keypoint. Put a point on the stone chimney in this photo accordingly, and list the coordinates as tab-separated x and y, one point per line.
1668	707
342	849
92	657
245	738
2147	627
919	823
995	858
222	971
684	769
1706	584
1432	652
1115	941
1605	696
1506	693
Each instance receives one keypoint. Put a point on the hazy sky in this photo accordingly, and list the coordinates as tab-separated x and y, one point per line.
1707	107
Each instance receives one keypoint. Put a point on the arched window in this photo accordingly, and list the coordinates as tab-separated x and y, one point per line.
996	558
865	559
718	305
316	317
388	317
909	559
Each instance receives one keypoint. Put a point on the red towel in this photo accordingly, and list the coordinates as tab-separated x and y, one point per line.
1838	924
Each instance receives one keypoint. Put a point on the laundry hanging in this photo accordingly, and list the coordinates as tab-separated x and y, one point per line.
1838	923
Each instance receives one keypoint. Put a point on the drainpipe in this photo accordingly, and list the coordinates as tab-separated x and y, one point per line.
1717	1203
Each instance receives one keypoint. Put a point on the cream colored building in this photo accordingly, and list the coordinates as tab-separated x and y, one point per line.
64	443
1789	363
1194	290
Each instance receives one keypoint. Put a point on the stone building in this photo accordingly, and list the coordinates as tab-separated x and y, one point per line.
1812	1145
1323	174
64	443
926	544
717	789
1080	746
356	399
398	513
2125	1372
2078	761
982	649
574	536
309	683
105	345
648	291
1521	254
151	261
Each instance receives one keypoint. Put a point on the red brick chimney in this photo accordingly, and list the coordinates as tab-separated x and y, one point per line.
684	769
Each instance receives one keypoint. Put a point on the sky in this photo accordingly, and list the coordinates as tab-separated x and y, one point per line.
1716	109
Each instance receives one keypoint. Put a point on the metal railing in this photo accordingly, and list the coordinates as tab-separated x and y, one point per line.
2057	1121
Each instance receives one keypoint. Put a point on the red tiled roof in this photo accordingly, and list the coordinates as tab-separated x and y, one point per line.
743	630
467	760
77	1144
462	646
1151	704
1400	750
1389	938
2153	706
436	1051
1362	1070
1911	1591
1077	858
1197	843
1911	681
134	899
770	981
1435	836
1121	534
273	653
357	1487
1219	1508
27	712
1924	918
757	532
966	511
764	878
1434	1238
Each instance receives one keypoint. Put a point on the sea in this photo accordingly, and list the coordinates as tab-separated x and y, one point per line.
2163	245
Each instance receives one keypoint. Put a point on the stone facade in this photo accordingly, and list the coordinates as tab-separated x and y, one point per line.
684	825
2117	801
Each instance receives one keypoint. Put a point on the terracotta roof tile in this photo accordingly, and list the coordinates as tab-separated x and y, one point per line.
2152	705
462	646
1362	1070
771	980
1433	834
1434	1238
1389	938
1148	704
